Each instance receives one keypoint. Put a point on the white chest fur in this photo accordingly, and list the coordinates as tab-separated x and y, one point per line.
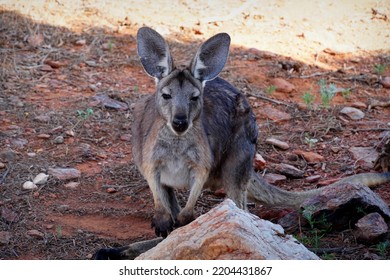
176	174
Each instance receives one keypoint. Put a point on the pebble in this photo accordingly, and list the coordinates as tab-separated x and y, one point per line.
80	42
2	165
386	82
365	156
259	162
29	186
111	190
8	215
43	136
277	143
72	185
282	85
359	105
59	140
64	173
312	179
5	237
275	115
126	137
19	143
288	170
70	133
310	156
352	113
35	233
42	118
110	103
31	154
40	179
273	178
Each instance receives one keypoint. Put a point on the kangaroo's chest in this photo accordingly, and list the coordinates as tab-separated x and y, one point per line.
176	159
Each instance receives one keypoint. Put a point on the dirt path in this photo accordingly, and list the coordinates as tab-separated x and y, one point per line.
58	56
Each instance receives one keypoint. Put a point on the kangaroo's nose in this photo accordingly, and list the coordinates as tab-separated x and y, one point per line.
180	123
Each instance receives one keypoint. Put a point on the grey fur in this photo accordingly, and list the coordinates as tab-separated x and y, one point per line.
192	134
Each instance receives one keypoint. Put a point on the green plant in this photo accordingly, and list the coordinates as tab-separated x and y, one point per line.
346	93
310	141
327	92
59	231
380	69
85	114
270	90
382	248
308	98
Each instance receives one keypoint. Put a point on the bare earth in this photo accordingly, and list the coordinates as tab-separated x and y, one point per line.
57	56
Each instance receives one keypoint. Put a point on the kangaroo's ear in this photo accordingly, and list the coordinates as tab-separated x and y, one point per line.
154	53
211	57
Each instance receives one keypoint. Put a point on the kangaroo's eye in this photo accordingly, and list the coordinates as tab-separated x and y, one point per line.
195	98
166	96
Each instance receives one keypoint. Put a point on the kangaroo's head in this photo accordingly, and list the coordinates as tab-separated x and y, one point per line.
179	95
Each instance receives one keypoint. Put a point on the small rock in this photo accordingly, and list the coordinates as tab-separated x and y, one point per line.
91	63
292	221
359	105
40	179
57	129
55	64
312	179
277	143
385	82
311	157
366	156
72	185
273	178
111	190
29	186
259	162
64	173
31	154
5	237
338	204
371	228
275	115
2	165
70	133
80	42
8	215
126	137
35	233
42	118
110	103
7	155
335	149
58	140
46	68
352	113
288	170
19	142
282	85
43	136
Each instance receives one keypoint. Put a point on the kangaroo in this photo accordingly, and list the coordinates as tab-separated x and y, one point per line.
198	131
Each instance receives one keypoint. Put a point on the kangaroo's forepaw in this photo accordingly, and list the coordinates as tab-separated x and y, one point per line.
162	224
184	218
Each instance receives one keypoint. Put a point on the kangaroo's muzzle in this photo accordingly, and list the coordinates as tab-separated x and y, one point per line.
180	123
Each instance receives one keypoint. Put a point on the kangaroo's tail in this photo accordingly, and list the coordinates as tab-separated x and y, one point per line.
261	191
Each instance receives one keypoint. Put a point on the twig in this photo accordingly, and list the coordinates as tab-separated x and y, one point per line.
371	129
269	99
311	75
4	175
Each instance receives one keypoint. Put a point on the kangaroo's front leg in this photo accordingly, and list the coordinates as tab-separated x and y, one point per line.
198	178
163	219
